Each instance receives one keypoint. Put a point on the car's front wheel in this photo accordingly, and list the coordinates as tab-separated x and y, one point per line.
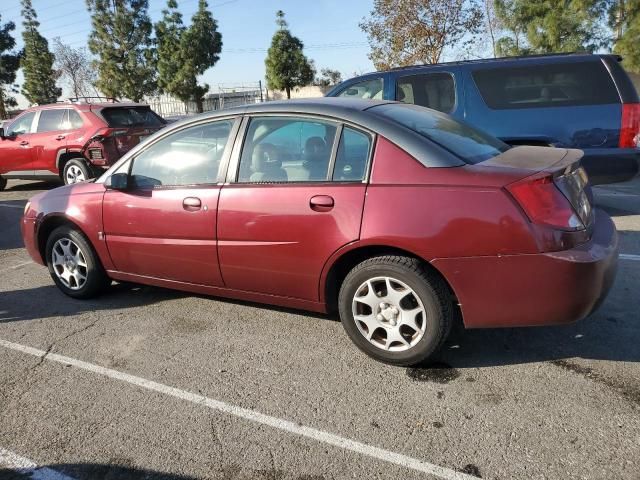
395	310
73	264
76	170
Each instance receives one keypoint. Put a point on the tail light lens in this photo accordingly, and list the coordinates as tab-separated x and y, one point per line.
630	128
545	204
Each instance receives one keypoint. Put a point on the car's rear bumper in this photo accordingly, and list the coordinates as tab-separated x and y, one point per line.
537	289
611	165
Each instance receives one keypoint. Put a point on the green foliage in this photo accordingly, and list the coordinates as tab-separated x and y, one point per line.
549	26
37	61
408	32
9	64
625	20
184	53
286	65
121	40
328	77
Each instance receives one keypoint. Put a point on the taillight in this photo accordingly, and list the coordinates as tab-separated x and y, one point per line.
544	203
630	128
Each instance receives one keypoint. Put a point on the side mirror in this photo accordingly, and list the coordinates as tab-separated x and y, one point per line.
117	181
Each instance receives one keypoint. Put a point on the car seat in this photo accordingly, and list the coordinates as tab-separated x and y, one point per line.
316	158
265	165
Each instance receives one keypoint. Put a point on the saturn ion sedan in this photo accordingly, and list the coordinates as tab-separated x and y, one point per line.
396	216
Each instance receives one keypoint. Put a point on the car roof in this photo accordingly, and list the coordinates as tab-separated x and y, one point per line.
85	106
350	111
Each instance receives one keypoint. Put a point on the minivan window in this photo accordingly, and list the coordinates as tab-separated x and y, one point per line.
51	120
464	141
551	85
432	90
368	89
131	117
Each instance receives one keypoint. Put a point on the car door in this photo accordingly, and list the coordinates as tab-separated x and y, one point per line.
49	138
164	224
15	147
295	195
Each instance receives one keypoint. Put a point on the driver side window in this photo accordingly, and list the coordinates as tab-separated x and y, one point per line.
187	157
22	125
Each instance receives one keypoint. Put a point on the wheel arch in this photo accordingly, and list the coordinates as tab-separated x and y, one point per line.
48	225
347	258
64	156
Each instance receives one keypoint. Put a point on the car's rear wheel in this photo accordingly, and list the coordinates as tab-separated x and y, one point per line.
73	264
395	310
76	170
3	183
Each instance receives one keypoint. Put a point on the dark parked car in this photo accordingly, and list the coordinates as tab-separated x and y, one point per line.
72	141
569	100
394	215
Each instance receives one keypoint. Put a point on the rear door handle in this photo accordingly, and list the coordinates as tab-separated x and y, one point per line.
24	143
191	204
321	203
61	137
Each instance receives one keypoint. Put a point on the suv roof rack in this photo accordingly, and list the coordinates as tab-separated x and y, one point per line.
92	99
495	59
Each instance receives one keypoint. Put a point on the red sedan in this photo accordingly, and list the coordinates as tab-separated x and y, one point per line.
393	215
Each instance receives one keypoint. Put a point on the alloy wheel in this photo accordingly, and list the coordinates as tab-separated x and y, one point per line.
69	263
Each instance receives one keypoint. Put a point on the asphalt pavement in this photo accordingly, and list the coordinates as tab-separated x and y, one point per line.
145	382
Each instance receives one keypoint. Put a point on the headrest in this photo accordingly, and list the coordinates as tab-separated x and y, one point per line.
315	149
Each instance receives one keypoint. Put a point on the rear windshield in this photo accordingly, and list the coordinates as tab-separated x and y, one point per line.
552	85
464	141
131	117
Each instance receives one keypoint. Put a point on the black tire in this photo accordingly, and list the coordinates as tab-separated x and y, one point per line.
96	277
429	288
76	165
3	183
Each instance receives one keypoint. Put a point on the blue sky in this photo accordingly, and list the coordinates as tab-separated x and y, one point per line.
328	28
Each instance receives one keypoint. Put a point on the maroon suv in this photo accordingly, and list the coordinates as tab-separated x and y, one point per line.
73	141
392	214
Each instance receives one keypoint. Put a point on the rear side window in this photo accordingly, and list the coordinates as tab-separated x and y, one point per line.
352	156
553	85
51	120
367	89
73	121
471	145
119	117
433	90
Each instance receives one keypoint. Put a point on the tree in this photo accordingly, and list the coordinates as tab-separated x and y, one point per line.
9	64
184	53
121	40
74	65
328	77
552	25
624	19
37	61
286	65
492	23
407	32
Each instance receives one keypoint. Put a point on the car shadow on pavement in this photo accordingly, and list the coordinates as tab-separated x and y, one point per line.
48	301
32	186
89	471
10	215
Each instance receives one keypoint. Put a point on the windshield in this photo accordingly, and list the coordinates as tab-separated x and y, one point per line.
462	140
132	117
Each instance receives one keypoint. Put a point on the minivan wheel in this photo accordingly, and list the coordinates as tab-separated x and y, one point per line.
395	310
76	170
73	264
3	183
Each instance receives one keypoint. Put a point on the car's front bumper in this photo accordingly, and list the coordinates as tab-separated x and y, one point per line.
611	165
536	289
29	229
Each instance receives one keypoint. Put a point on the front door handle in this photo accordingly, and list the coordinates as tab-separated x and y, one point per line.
191	204
321	203
24	143
61	137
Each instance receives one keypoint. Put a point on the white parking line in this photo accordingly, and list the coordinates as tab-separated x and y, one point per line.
14	267
628	256
251	415
24	466
12	206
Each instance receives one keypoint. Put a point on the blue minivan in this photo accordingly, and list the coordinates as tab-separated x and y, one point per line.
580	101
